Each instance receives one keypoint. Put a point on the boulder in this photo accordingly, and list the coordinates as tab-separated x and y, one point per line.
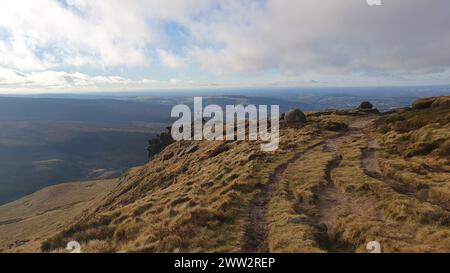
295	115
365	105
423	103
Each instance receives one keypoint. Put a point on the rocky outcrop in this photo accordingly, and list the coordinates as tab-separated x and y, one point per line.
295	115
423	103
433	102
365	105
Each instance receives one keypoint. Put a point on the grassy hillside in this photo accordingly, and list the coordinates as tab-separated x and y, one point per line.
341	180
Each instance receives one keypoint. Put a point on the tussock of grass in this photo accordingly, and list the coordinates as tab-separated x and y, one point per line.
402	218
416	147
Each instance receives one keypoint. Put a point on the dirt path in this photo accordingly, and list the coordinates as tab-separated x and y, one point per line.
333	203
256	232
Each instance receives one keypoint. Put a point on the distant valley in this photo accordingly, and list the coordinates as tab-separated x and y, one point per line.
52	139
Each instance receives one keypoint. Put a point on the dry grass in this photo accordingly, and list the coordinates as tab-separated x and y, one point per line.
197	196
416	148
43	213
402	219
186	203
292	213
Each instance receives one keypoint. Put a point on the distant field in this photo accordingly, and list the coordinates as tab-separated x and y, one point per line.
37	154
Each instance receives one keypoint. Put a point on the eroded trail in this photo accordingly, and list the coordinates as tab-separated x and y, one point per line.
330	201
333	206
256	231
333	203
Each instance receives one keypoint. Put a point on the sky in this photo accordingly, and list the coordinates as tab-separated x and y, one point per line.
53	46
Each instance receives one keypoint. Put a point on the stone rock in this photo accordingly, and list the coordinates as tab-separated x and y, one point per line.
424	103
295	115
365	105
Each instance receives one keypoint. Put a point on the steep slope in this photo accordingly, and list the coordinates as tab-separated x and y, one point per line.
337	182
193	196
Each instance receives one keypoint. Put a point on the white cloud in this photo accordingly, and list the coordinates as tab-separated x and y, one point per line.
49	81
326	36
181	81
402	38
39	34
58	79
169	60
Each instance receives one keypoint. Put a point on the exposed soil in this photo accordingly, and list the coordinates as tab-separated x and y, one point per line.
330	202
333	203
256	232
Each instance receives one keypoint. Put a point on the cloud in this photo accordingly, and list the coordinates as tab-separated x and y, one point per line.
41	34
234	39
49	81
58	79
170	60
326	36
182	82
